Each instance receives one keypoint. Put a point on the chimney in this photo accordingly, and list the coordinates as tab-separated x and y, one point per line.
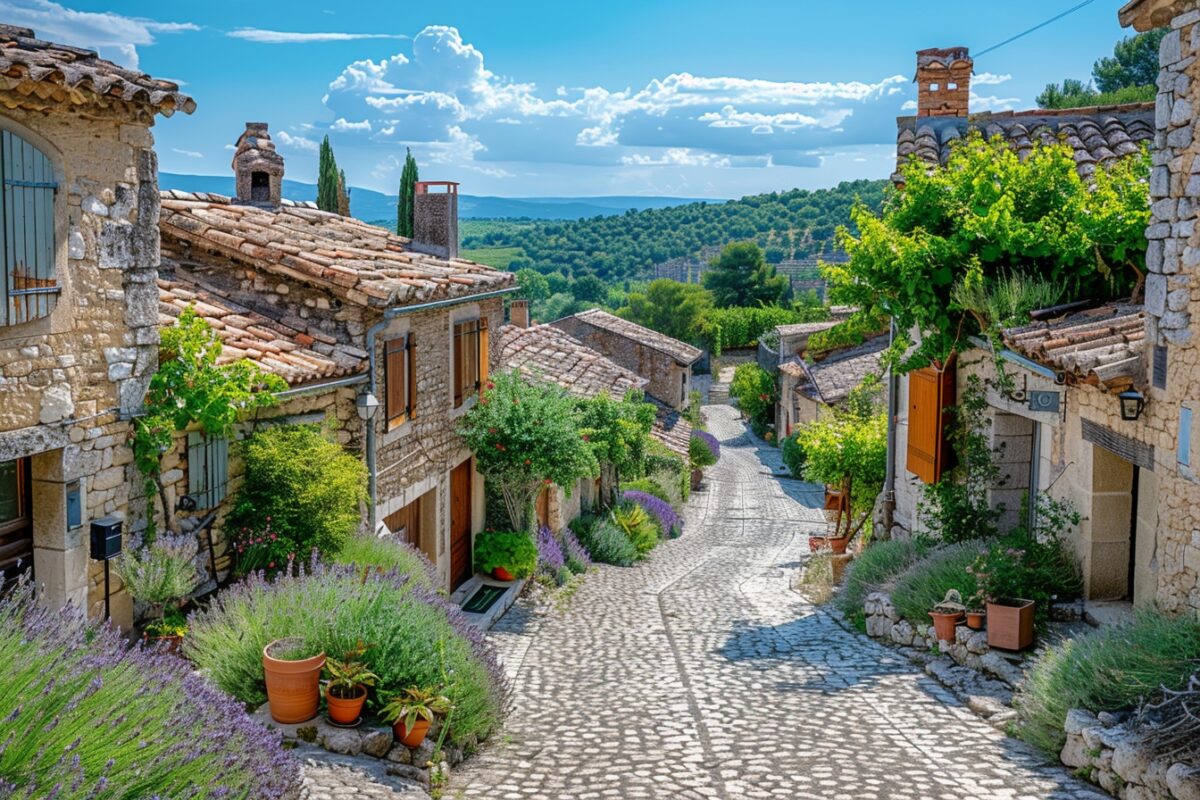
435	219
257	168
518	313
944	82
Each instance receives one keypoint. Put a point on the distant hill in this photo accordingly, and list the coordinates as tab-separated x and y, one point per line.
371	206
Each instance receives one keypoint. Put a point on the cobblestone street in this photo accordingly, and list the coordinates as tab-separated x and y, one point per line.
701	674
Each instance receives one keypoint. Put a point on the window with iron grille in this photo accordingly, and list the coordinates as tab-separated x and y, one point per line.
470	365
28	285
208	469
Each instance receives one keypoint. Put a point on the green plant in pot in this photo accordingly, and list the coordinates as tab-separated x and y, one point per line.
413	711
346	690
292	671
505	555
160	574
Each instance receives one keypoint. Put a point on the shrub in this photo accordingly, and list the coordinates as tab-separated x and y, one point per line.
386	552
793	455
262	549
647	486
703	449
923	585
162	571
416	637
670	524
1019	567
668	470
741	326
515	551
637	525
607	544
754	389
304	484
83	715
576	555
551	563
874	567
1108	669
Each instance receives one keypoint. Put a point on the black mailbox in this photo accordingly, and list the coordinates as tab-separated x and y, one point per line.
106	538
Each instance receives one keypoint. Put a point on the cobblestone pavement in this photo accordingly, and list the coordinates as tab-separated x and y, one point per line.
700	674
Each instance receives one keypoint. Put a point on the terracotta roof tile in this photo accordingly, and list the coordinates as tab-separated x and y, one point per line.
1102	345
680	351
40	74
362	263
551	354
273	345
672	429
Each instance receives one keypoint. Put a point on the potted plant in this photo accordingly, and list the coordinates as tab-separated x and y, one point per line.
703	451
946	615
160	574
836	544
975	618
506	555
167	631
346	691
293	675
411	713
1002	575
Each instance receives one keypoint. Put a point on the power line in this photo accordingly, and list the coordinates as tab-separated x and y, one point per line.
1040	25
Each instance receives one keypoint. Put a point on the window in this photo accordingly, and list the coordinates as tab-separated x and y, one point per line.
470	364
208	469
400	380
28	286
260	187
16	529
930	392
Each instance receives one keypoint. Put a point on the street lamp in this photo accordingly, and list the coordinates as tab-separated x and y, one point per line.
1132	404
366	404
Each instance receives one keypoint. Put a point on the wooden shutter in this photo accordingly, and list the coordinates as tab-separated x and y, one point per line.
208	468
457	366
483	352
395	374
930	393
28	286
412	377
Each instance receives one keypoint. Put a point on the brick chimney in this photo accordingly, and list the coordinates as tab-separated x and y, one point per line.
944	82
518	313
257	168
435	218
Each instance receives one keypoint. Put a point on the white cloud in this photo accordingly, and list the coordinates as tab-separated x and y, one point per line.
296	142
188	153
114	36
385	167
993	103
989	79
676	156
343	126
263	36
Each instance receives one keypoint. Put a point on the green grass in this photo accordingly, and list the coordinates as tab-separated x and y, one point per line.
875	567
498	257
1106	670
923	585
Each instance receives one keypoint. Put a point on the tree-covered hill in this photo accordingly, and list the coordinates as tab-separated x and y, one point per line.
786	225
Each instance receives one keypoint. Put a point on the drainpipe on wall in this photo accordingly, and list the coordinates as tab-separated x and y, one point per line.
893	399
389	315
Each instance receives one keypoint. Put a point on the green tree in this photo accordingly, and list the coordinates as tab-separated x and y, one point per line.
669	307
754	389
1134	62
534	286
589	289
741	276
848	450
619	432
404	203
327	178
990	211
343	195
525	435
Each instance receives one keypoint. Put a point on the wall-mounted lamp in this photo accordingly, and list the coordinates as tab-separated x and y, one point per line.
1133	403
185	503
366	404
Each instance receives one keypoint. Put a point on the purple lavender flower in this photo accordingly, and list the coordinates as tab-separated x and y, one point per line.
574	551
669	522
550	555
710	442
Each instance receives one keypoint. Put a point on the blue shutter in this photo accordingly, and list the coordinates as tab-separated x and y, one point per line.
197	474
1184	454
208	469
218	469
28	286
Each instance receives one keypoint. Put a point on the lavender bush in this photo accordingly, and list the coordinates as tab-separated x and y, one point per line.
710	444
416	637
669	522
577	557
162	571
82	715
551	562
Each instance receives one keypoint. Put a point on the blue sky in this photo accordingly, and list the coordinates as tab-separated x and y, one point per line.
517	98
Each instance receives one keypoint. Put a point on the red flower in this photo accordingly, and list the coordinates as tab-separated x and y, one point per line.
491	385
549	481
585	438
528	462
491	430
271	565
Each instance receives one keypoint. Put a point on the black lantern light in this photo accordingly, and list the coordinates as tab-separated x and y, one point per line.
1133	403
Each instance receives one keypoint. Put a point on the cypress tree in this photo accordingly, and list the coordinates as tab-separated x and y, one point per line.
343	195
327	179
404	204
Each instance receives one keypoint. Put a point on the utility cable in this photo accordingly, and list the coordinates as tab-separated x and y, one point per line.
1040	25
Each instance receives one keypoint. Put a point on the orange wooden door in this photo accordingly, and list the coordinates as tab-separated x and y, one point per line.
460	524
543	507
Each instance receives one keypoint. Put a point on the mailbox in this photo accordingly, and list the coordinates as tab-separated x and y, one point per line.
106	538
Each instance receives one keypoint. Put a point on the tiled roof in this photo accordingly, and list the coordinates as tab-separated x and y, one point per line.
1101	345
39	74
830	381
553	355
802	328
672	429
362	263
298	357
682	352
1097	135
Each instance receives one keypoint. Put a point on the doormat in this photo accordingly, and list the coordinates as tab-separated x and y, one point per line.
484	599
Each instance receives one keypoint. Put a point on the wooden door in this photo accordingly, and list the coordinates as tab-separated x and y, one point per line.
543	508
16	522
460	524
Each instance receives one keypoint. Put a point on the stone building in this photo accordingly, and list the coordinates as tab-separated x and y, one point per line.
78	304
782	353
665	362
344	311
809	390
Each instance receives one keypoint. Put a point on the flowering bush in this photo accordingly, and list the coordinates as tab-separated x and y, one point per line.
83	715
388	552
255	550
670	524
576	555
161	572
551	563
417	638
704	449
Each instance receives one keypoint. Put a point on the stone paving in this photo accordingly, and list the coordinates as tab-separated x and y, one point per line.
700	674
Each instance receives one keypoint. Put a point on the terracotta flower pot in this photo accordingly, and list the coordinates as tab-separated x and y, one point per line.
817	543
975	620
945	624
502	574
293	687
343	710
838	545
170	643
411	738
697	476
1010	624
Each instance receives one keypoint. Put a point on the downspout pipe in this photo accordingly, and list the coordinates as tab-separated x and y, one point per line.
893	401
390	314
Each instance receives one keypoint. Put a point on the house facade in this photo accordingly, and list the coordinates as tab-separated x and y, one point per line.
352	316
78	304
810	390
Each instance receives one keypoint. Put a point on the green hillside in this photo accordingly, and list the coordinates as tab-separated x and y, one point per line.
787	225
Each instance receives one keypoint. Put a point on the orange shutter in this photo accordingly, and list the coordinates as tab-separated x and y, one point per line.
412	377
483	351
930	393
394	374
457	365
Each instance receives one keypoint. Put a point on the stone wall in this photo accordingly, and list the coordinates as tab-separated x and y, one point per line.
1104	749
68	381
669	382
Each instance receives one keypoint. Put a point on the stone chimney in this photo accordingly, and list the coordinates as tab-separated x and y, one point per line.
518	313
944	82
435	219
257	168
